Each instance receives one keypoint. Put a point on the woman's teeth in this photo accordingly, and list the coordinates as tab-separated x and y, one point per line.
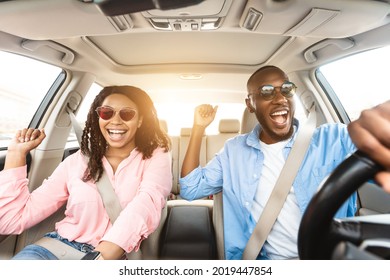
115	131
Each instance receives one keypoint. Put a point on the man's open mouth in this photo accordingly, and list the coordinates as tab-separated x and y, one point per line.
279	117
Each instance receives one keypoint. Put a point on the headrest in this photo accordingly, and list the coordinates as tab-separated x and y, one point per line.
185	131
248	121
164	125
229	126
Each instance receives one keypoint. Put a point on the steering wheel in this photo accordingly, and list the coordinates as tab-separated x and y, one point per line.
319	234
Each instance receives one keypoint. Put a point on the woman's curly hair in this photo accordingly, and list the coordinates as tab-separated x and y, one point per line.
148	137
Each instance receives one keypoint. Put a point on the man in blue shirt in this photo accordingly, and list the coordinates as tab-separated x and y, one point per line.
248	166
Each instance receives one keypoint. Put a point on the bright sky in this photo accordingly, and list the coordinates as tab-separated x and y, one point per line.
22	90
360	81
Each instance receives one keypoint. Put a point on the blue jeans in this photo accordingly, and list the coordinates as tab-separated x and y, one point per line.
36	252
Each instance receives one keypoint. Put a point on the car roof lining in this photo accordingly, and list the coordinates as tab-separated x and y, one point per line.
285	19
278	19
88	33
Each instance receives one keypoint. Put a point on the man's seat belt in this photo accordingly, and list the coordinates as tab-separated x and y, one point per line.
281	189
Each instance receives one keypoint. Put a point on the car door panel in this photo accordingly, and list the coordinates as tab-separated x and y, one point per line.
373	200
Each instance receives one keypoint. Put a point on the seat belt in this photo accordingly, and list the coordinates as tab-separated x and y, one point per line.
281	189
76	127
105	188
113	207
109	197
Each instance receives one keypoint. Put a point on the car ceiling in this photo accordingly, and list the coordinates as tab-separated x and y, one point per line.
122	49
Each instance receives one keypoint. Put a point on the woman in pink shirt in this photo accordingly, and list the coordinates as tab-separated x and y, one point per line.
123	138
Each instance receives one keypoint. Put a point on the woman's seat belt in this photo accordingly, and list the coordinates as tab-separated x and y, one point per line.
113	207
105	188
281	189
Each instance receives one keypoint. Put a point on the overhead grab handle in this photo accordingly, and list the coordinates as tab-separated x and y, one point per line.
342	44
33	45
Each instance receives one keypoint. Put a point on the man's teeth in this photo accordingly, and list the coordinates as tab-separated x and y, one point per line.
279	113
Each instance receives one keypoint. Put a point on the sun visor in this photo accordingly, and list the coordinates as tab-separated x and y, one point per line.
329	19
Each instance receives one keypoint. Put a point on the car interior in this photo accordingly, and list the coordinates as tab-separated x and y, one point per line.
183	54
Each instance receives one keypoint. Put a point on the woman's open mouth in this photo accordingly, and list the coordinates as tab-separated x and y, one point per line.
116	134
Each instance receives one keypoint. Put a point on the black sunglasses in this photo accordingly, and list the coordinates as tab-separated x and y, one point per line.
106	113
268	92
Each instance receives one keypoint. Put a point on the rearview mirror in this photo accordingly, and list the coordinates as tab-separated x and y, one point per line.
121	7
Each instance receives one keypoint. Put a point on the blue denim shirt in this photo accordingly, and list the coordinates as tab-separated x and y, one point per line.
236	170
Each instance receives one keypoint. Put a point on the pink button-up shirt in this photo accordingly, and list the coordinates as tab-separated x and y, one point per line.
141	185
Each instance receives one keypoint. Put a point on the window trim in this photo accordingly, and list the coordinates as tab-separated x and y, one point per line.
47	100
332	97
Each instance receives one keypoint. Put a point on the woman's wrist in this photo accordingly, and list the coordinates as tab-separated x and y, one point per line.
109	250
14	159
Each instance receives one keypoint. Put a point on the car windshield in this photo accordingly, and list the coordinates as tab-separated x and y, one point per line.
176	114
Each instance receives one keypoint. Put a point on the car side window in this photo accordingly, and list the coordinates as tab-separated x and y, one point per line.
359	81
23	85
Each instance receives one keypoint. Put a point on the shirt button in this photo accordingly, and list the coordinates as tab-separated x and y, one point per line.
254	175
246	204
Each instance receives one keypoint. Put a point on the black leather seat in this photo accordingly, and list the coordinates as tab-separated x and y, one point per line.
188	234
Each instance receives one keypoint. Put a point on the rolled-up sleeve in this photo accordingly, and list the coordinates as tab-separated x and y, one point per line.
203	181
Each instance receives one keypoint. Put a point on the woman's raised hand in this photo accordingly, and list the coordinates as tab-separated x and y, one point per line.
26	140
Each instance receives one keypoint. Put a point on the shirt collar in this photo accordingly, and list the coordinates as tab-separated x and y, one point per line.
253	136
